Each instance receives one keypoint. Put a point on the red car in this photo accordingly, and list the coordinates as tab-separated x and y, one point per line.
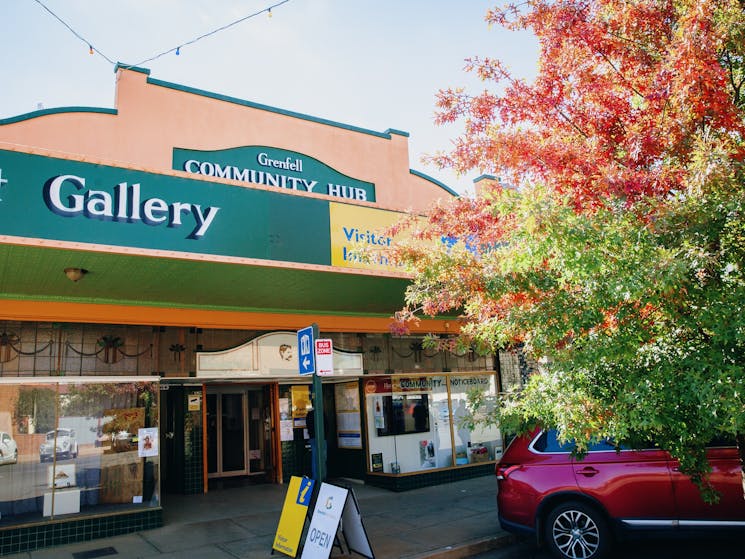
577	507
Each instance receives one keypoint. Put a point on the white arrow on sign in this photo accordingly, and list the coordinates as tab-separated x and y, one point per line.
306	362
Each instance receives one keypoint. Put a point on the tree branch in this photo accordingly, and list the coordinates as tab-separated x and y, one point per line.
736	88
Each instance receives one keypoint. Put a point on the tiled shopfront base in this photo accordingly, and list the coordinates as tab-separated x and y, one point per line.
415	481
60	532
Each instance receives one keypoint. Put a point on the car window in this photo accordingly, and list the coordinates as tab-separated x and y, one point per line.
722	440
548	441
606	445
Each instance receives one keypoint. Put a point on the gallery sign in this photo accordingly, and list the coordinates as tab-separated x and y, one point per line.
69	196
74	201
273	167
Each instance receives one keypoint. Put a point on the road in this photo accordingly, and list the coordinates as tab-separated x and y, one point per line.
726	546
29	479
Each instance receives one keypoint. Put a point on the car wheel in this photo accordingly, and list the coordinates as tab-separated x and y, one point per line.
15	457
575	530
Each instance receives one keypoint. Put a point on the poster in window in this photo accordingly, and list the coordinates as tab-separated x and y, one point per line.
61	475
147	442
378	412
284	408
347	396
300	403
285	430
427	453
194	401
348	415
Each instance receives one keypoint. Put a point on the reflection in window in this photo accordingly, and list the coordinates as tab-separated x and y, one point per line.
403	413
74	448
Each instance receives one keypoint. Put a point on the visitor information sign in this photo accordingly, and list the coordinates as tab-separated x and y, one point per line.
292	519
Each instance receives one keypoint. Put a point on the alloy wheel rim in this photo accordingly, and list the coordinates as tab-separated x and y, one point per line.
576	535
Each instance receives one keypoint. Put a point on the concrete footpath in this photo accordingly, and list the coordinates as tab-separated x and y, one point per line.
447	521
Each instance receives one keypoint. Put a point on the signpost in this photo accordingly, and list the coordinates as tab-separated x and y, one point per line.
324	357
306	351
307	366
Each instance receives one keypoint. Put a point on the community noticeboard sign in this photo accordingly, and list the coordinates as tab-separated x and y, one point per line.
292	519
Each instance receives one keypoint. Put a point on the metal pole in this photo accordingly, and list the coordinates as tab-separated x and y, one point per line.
318	417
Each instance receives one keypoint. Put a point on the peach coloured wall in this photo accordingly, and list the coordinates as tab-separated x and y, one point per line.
152	119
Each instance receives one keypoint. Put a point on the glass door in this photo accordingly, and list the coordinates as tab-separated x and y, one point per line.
256	431
233	433
227	434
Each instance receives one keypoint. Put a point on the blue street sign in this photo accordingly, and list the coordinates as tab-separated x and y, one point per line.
306	351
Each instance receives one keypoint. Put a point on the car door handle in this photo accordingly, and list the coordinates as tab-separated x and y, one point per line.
589	471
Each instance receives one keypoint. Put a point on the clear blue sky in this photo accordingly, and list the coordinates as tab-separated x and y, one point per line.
373	64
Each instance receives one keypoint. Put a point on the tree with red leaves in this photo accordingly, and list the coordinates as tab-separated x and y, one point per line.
612	249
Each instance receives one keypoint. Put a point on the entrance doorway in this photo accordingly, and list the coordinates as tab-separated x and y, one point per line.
238	431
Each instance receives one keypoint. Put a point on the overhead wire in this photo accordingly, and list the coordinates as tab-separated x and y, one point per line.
215	31
176	49
78	35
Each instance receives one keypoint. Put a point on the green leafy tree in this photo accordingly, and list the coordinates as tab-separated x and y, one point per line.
617	258
38	404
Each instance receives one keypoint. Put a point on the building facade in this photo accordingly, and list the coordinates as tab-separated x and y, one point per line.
156	262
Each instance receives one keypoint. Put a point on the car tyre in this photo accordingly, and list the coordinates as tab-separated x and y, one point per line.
575	530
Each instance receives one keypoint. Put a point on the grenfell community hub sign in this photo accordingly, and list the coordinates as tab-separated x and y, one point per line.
273	167
75	201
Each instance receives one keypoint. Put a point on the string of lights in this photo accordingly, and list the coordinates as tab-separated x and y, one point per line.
91	49
177	49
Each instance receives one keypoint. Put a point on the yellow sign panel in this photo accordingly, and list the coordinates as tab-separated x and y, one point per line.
195	401
353	227
292	519
300	400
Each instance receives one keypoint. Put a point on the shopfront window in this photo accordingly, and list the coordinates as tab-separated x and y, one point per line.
75	448
441	433
482	443
414	422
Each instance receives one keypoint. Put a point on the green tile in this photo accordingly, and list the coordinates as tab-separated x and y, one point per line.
30	538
